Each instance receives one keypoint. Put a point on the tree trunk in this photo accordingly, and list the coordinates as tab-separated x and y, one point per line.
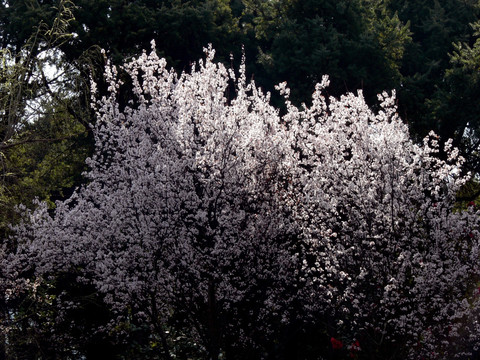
213	331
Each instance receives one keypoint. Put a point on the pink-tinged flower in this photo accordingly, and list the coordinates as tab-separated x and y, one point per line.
336	344
354	348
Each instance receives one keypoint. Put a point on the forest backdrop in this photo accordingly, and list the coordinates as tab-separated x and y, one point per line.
428	51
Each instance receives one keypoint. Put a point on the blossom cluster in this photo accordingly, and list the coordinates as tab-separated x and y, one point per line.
232	222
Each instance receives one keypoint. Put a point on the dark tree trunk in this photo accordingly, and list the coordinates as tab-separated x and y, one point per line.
213	330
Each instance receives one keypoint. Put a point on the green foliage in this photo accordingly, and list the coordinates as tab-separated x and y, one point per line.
358	43
454	104
435	26
47	169
392	34
180	28
39	112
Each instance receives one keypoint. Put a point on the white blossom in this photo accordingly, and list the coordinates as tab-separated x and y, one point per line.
234	220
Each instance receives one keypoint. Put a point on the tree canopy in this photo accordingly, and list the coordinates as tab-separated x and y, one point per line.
236	215
217	221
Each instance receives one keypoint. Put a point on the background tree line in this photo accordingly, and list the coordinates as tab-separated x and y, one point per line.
428	51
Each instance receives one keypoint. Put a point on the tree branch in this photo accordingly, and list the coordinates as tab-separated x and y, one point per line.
5	146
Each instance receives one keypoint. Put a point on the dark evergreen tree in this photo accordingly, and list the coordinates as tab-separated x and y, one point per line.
359	44
454	105
435	26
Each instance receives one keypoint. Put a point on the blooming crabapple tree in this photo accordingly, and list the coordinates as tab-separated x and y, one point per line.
225	221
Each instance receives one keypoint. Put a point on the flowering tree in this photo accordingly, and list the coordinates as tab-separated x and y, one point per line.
185	216
224	222
390	261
